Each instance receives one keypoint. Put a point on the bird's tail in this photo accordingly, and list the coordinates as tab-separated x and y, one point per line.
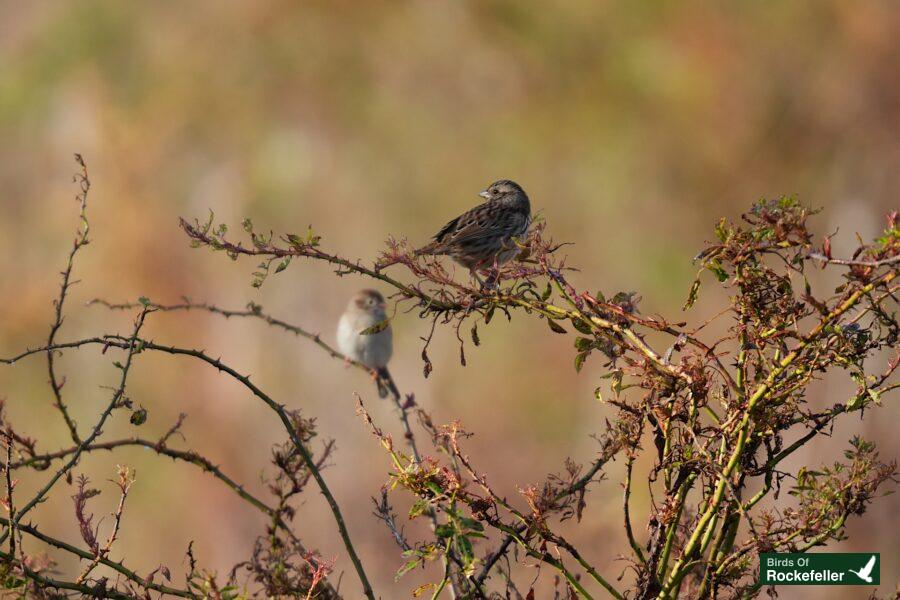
427	249
386	384
430	248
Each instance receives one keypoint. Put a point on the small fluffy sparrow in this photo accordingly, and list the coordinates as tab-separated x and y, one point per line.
483	236
365	310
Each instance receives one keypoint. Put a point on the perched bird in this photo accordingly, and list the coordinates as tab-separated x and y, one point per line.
483	236
365	311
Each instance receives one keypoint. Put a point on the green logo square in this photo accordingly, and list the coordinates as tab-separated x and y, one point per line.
823	568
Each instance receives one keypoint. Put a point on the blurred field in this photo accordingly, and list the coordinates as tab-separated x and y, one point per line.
633	126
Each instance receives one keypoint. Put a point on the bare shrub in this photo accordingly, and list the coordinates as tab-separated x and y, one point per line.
717	417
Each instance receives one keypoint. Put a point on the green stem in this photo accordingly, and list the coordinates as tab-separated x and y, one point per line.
760	393
627	496
445	579
673	526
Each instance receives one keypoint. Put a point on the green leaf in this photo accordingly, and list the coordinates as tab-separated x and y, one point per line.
722	230
579	361
875	395
444	530
408	566
418	508
692	295
718	271
583	344
464	545
311	238
555	327
581	326
11	583
855	402
547	291
91	492
283	264
376	328
417	593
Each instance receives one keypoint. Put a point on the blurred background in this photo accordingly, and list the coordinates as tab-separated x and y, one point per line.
633	126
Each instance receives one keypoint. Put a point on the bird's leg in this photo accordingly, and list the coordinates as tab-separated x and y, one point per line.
493	280
486	285
474	273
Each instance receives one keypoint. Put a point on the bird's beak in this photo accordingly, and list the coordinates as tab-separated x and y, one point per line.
485	194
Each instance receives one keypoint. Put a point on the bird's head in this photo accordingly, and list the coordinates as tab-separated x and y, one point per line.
505	191
368	301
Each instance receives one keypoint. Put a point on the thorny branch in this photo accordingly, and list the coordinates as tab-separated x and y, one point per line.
81	240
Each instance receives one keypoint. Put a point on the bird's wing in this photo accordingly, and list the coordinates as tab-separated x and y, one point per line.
869	565
446	230
464	227
483	221
438	243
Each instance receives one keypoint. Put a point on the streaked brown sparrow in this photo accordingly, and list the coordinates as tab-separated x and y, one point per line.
484	236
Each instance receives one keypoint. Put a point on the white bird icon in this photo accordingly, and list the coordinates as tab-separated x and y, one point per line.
866	572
